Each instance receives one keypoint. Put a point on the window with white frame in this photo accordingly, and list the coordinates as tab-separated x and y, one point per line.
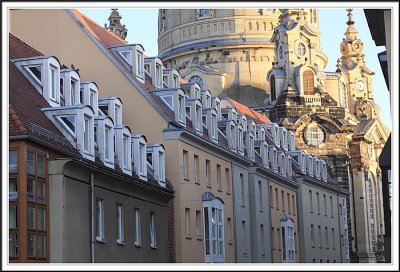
125	150
99	219
36	72
214	229
288	246
233	137
126	55
142	158
199	80
168	99
187	223
138	231
69	122
158	79
117	109
208	100
161	169
213	126
153	234
185	165
86	134
196	168
139	64
53	83
92	97
181	108
242	192
175	81
120	224
73	91
196	93
62	93
107	140
198	118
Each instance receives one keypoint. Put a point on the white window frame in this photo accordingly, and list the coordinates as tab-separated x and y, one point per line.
139	64
99	219
142	158
87	135
53	83
120	224
217	255
181	108
107	141
125	151
129	59
138	229
153	232
287	239
158	79
73	84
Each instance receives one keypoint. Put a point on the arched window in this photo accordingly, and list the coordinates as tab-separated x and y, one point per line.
265	26
308	83
250	26
197	79
272	87
222	27
257	26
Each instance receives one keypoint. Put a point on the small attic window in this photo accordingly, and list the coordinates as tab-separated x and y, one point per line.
149	158
104	110
126	55
70	122
36	72
168	99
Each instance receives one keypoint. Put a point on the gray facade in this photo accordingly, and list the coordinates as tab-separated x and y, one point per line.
323	231
71	222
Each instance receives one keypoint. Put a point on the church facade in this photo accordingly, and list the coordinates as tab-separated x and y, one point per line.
333	114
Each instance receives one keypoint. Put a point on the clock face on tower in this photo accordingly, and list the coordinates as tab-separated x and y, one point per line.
360	85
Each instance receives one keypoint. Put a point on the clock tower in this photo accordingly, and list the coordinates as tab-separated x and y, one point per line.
115	25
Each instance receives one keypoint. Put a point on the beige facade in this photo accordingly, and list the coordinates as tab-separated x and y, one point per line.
32	27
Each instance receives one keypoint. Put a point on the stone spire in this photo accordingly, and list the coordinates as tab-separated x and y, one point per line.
115	25
351	47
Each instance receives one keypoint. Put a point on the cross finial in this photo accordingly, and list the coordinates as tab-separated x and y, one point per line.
350	15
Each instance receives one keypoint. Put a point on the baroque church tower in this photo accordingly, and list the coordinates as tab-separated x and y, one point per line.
115	25
333	115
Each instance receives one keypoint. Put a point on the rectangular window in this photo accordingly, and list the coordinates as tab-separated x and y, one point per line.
283	200
99	219
311	201
262	240
13	245
294	205
138	230
30	163
208	173
158	76
107	134
333	239
196	169
86	135
181	108
288	202
175	81
277	198
198	118
142	158
260	192
73	92
228	180
13	217
278	238
31	252
219	177
273	238
325	206
198	224
31	218
206	231
139	64
120	224
271	198
125	151
153	241
229	228
244	238
13	161
312	236
91	98
283	239
326	237
117	114
290	236
53	84
242	193
331	202
12	189
318	206
185	165
161	161
62	94
187	222
320	236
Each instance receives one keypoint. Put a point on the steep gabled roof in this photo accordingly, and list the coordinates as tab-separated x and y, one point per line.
25	115
249	113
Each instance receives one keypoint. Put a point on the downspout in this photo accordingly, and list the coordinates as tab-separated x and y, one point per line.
92	240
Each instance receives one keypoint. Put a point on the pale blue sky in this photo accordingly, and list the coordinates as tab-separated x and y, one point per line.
142	28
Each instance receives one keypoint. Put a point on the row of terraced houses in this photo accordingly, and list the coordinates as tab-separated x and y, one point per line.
116	158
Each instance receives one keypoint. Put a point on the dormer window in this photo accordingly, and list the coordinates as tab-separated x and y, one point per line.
198	117
139	64
181	106
240	139
92	97
156	162
289	166
250	145
36	72
62	94
127	56
69	121
169	100
139	150
175	81
196	92
107	141
197	79
214	126
233	137
117	112
87	134
273	158
158	79
125	151
73	91
53	83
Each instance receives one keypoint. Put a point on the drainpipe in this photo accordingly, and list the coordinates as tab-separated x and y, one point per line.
92	240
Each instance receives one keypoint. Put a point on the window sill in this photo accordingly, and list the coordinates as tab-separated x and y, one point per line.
188	237
199	238
153	247
196	182
262	211
230	243
209	186
100	240
138	245
313	246
186	179
121	243
219	190
228	193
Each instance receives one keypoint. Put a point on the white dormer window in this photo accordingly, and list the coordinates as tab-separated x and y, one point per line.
62	93
69	122
158	79
117	112
196	92
161	166
139	64
289	166
317	168
87	135
92	97
156	162
324	170
127	56
232	137
125	151
175	81
53	83
181	108
104	138
276	133
169	100
36	72
310	166
208	100
250	145
74	90
107	142
198	118
139	149
217	106
214	126
291	141
240	139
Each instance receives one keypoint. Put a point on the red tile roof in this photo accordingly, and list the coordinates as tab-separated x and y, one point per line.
249	113
25	101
